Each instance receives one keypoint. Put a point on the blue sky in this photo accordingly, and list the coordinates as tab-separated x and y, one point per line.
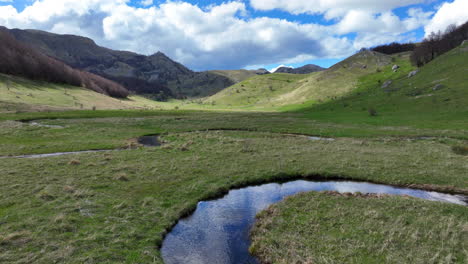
239	34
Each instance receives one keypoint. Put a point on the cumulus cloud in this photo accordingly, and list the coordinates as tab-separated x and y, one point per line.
281	66
331	9
449	13
146	2
223	36
218	36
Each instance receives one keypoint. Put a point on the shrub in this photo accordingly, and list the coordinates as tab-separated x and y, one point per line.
460	150
372	111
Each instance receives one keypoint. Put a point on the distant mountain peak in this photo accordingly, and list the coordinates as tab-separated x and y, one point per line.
309	68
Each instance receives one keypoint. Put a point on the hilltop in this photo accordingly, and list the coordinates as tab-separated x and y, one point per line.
309	68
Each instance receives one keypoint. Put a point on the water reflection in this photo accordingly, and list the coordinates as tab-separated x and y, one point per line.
218	231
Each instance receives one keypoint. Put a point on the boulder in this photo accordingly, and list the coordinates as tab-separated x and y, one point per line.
386	84
413	73
438	87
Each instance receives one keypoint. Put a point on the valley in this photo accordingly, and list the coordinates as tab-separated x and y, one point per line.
363	135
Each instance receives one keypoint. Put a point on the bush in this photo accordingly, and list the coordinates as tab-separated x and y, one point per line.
372	111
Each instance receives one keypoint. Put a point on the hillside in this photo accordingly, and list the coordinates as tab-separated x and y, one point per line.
281	89
22	95
22	60
156	74
437	94
235	75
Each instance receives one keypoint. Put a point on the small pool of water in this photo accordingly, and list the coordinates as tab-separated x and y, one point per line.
218	231
150	141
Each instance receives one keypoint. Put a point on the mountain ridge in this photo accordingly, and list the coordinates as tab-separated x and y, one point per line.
156	74
306	69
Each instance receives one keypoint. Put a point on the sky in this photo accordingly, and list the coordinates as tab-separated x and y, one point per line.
250	34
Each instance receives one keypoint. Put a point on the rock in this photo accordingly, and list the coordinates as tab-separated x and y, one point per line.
438	87
386	84
261	71
395	67
413	73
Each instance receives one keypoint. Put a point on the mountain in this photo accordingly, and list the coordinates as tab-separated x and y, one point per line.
19	59
156	74
281	89
309	68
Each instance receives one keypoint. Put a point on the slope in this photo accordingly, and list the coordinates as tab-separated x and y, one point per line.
281	89
22	95
437	96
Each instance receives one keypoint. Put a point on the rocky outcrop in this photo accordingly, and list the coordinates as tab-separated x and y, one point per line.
309	68
413	73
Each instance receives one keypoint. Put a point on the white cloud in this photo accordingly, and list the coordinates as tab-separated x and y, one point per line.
455	12
331	8
222	36
281	66
219	36
146	2
383	28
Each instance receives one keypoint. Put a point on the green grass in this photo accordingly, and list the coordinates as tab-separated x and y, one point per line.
257	92
334	228
407	101
116	206
273	91
85	130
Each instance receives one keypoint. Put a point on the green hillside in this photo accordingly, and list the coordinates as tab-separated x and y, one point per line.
235	75
19	94
257	92
276	90
437	94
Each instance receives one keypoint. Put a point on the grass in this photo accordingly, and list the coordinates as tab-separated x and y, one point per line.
116	206
274	91
334	228
407	101
22	95
86	130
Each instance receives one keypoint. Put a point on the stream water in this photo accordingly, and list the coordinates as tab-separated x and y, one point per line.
147	141
218	230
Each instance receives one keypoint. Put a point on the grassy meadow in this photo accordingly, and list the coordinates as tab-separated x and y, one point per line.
341	228
116	206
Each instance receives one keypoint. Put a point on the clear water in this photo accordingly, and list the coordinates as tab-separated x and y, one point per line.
218	231
148	141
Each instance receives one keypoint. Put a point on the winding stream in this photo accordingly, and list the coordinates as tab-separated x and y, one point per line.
147	141
218	230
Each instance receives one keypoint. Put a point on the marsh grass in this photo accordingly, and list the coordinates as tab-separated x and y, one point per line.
97	219
337	228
